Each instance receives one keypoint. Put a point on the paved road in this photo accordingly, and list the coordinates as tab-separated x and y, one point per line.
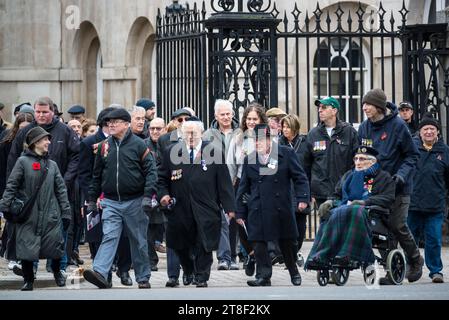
225	284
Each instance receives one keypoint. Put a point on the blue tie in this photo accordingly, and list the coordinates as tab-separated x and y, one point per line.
191	156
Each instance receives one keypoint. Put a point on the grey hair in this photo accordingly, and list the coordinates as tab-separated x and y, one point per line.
116	106
223	103
136	109
199	124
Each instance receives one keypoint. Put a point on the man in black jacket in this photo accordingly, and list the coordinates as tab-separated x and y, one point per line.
125	171
328	150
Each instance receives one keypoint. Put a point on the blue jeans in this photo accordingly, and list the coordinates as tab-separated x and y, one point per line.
116	216
431	223
224	247
173	264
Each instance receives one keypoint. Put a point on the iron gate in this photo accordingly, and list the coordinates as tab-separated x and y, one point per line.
250	50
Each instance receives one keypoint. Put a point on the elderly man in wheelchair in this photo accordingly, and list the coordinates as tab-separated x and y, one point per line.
352	224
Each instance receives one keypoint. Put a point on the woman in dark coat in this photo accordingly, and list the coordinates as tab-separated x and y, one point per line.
291	138
345	234
267	177
40	236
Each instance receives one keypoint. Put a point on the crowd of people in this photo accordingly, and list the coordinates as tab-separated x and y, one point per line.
128	182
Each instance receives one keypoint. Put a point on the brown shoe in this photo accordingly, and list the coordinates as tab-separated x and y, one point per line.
415	271
437	278
144	285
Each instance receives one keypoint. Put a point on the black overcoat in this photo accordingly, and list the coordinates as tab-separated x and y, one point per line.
270	215
200	196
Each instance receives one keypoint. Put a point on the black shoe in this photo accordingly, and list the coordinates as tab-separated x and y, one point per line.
259	283
187	279
125	279
415	271
201	284
341	261
296	279
76	257
96	279
154	268
59	279
250	266
27	286
172	283
144	285
17	271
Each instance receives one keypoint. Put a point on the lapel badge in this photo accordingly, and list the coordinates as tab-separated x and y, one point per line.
272	164
203	164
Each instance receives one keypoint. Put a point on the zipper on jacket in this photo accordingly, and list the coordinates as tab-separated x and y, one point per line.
118	167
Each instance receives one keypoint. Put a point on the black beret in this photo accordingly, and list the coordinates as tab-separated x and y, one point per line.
193	118
118	114
181	112
366	150
101	117
405	105
76	109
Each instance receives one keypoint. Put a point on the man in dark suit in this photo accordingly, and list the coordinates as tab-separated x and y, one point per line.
202	188
267	176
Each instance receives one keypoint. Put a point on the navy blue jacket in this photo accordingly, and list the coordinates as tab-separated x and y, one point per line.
392	139
269	214
431	180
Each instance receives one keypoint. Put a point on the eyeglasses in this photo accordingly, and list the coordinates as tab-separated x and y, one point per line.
361	159
156	128
181	119
114	122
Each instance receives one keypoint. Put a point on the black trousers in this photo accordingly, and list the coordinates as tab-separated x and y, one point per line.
233	229
301	224
155	233
28	272
196	261
264	269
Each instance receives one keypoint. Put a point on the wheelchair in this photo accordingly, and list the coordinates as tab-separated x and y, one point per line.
391	258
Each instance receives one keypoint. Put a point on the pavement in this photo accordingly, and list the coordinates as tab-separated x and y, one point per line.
221	281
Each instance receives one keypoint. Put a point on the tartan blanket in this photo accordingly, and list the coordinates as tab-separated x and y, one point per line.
347	234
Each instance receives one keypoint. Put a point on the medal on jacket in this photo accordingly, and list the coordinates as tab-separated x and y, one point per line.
319	145
367	142
383	136
272	164
176	174
203	164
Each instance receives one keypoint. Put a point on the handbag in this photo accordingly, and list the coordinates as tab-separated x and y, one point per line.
20	210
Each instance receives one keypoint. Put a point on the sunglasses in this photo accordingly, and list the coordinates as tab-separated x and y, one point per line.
182	119
156	129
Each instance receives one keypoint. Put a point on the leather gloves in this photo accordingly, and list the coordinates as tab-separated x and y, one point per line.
92	207
325	208
65	224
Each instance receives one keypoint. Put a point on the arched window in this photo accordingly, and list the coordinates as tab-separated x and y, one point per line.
338	69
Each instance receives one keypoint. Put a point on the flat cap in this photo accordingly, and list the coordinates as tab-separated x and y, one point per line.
76	109
118	114
181	112
275	112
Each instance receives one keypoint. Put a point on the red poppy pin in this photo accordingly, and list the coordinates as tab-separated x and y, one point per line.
384	136
36	166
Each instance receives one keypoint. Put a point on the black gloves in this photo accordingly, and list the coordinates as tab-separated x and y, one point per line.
65	224
400	182
92	207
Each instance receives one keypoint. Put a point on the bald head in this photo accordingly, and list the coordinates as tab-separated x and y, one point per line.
156	128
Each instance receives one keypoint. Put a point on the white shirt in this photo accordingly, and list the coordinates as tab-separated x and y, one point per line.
195	150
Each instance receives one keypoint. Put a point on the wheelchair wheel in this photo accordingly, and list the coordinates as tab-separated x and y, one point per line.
340	276
396	266
369	275
322	276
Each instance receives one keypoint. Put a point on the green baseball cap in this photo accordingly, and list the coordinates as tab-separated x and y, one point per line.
329	101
